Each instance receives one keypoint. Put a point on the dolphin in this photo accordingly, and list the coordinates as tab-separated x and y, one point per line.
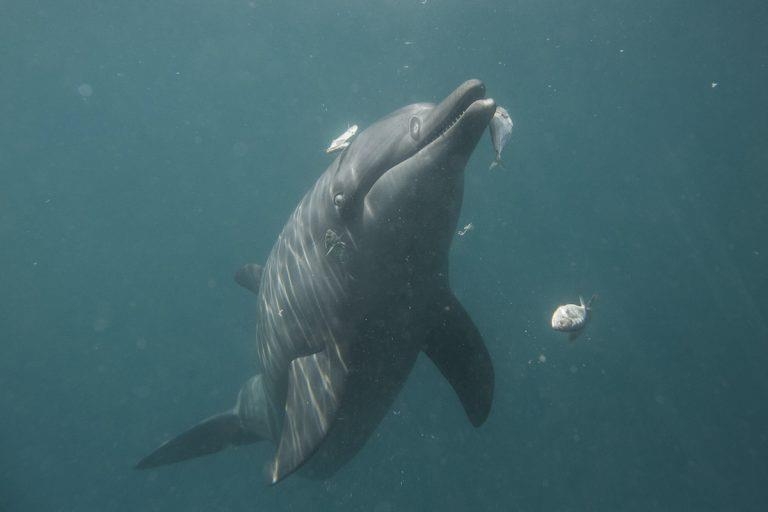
354	289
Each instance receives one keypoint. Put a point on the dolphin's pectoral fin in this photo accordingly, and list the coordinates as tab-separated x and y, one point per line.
458	350
315	388
209	436
249	277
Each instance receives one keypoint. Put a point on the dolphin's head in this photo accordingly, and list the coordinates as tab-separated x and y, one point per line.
399	185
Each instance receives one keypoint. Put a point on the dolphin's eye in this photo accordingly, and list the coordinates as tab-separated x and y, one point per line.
338	199
415	127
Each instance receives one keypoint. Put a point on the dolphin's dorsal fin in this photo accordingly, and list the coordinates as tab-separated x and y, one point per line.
249	277
457	349
315	389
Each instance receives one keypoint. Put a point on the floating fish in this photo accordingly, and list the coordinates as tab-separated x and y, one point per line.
501	131
466	229
342	141
571	318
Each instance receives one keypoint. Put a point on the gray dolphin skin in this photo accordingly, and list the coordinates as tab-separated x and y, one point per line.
354	289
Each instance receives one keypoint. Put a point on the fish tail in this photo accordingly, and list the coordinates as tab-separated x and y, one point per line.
588	305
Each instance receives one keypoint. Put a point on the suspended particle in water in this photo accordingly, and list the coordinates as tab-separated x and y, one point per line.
101	324
383	506
85	90
240	149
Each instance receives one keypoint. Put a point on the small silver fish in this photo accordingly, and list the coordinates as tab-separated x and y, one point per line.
571	318
501	131
342	141
466	229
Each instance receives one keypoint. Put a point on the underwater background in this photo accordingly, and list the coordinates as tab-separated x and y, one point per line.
148	149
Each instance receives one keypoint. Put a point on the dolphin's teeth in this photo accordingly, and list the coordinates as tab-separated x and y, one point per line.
447	125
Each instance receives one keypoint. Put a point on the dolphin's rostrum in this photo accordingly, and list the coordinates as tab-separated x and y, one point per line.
355	287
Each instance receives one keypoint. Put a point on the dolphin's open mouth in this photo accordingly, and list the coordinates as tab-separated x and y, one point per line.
468	97
447	125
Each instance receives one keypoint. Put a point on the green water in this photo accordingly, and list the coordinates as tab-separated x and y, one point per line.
148	149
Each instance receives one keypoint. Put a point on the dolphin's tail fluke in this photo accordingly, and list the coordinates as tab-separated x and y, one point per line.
208	436
246	423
